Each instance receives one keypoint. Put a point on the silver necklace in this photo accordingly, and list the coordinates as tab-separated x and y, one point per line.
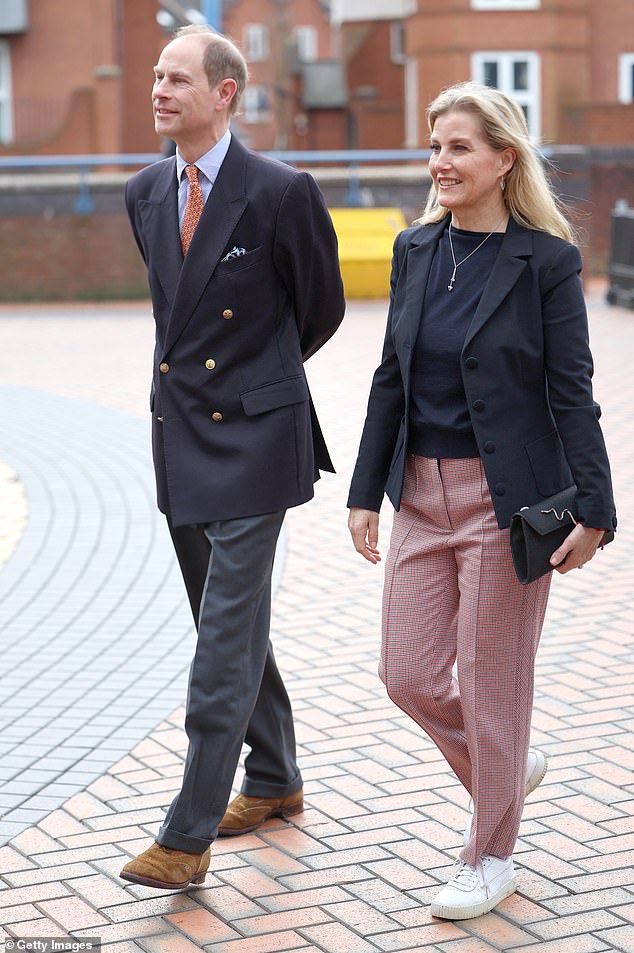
456	264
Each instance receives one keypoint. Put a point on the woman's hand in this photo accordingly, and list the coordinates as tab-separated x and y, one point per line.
577	549
364	529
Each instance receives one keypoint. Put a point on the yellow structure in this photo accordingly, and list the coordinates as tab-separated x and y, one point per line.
366	237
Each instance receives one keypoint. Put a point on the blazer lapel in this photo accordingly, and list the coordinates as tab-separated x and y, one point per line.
517	247
159	215
223	209
419	258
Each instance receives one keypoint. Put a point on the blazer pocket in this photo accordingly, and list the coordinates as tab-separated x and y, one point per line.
548	463
240	263
290	390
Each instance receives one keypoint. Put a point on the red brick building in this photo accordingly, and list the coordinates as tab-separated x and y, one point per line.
570	63
86	88
375	63
75	77
281	41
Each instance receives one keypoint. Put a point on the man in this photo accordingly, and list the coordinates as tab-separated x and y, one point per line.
244	275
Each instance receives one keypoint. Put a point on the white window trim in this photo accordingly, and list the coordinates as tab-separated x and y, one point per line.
6	94
505	4
254	116
259	56
505	60
626	93
412	106
351	11
397	46
310	42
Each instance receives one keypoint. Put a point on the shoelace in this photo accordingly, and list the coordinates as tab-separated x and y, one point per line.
466	875
470	877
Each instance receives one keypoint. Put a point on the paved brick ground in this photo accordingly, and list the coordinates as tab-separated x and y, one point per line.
89	601
13	511
384	815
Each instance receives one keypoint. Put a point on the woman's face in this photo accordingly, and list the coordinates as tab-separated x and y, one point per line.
466	171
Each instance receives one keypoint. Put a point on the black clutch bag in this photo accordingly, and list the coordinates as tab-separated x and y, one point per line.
537	531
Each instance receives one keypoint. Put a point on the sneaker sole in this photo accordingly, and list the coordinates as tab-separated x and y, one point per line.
539	772
476	909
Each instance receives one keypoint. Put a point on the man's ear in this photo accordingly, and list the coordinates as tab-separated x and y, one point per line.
227	89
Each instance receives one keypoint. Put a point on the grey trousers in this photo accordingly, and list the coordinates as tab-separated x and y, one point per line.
235	691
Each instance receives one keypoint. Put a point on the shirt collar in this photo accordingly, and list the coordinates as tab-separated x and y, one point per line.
209	164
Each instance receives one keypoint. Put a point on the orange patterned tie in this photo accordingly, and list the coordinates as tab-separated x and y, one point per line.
193	208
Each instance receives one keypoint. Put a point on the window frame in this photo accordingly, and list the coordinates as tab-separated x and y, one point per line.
508	5
397	42
257	115
626	78
6	95
505	60
255	51
306	30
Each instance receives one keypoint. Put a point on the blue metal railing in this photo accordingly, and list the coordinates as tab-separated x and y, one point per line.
308	156
77	161
84	205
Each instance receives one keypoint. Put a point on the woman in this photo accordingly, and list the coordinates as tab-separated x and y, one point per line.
482	404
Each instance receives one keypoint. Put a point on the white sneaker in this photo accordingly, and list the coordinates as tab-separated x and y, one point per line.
536	768
473	891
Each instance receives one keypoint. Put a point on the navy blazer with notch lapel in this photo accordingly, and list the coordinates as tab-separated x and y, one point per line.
526	368
234	429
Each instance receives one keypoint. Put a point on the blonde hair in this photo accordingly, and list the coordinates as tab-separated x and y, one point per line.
221	59
528	195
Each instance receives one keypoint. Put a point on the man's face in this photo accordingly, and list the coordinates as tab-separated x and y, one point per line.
184	106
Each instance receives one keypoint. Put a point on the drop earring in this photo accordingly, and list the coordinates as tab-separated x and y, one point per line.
503	183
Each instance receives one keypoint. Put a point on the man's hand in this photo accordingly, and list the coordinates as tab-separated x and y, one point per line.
364	529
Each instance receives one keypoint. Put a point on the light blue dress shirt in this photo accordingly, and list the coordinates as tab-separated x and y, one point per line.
208	168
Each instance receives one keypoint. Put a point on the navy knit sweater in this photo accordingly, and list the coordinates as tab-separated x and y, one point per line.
439	422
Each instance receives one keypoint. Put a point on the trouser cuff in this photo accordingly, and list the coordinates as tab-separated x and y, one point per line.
269	789
177	841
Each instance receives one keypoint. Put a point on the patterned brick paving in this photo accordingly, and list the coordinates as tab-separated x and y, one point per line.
355	872
13	511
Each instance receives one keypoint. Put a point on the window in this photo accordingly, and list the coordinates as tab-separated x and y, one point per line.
626	78
505	4
306	39
256	104
6	104
14	16
397	42
517	74
255	42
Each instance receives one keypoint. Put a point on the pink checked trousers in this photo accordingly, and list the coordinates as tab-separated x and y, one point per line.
451	595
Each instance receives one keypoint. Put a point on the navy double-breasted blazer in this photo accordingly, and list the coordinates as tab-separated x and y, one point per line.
234	429
526	367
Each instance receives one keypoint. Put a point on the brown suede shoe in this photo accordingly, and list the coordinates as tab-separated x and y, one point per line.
245	813
166	869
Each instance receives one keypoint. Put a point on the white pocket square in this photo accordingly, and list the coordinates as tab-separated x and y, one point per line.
235	252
